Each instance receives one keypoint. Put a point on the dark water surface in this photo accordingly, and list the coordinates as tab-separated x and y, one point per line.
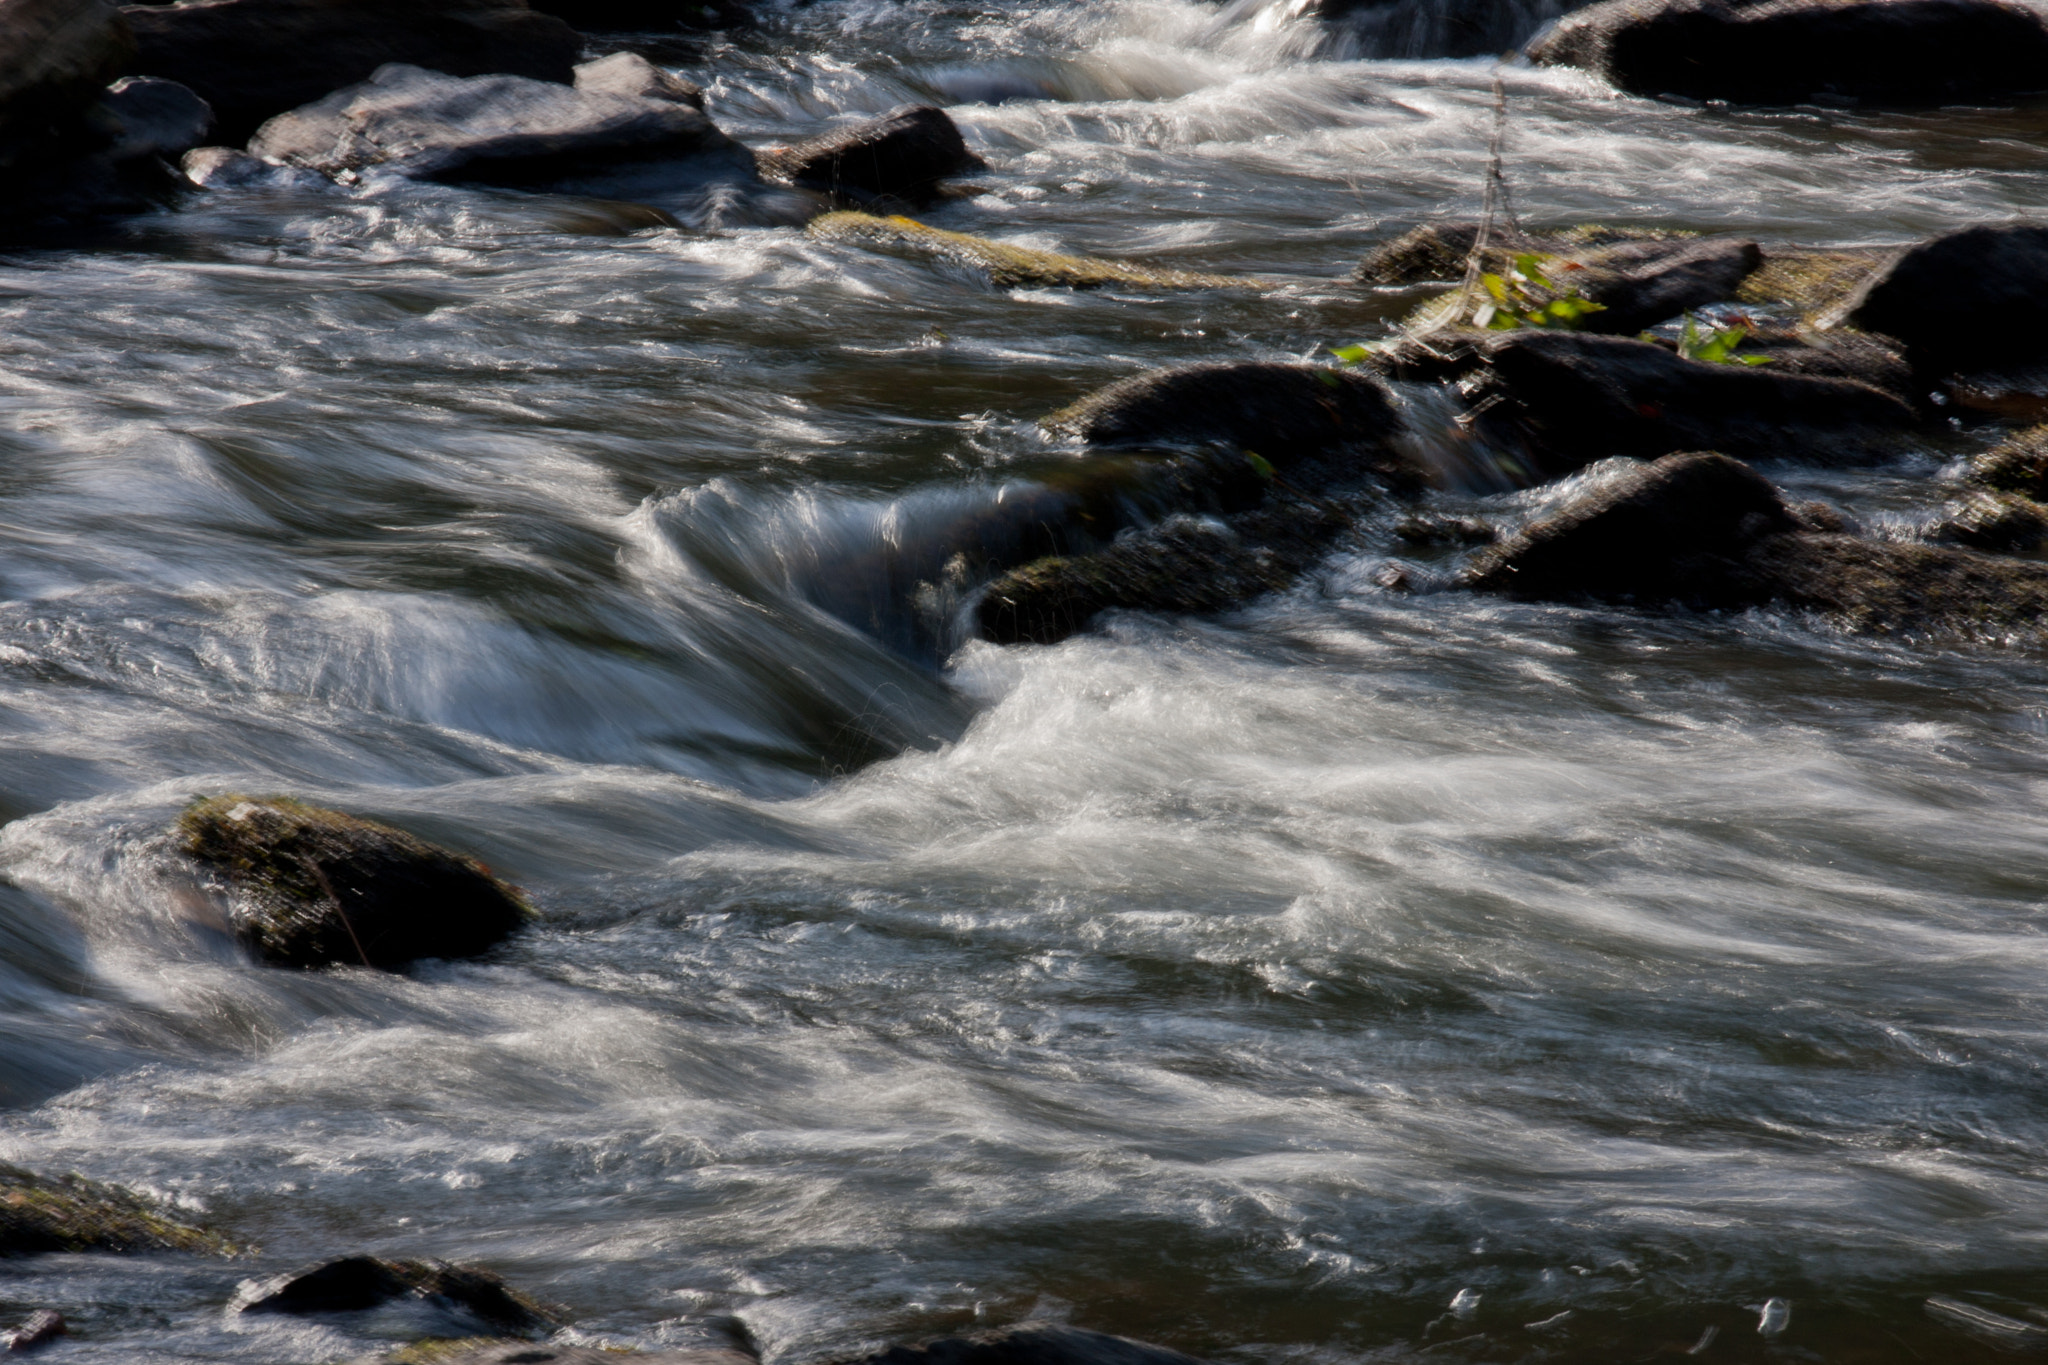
1255	985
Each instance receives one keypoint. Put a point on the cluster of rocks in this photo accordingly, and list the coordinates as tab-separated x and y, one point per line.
498	1324
107	109
1867	374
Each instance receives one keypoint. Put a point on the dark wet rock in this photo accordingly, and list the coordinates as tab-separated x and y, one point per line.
648	16
1030	1344
354	1283
71	1213
1185	564
1891	52
309	887
1640	284
56	57
902	154
495	129
1569	399
633	76
1672	530
528	1353
252	59
229	168
143	116
1967	300
1438	28
1999	522
2018	464
44	1325
1857	356
1704	531
1012	267
1283	413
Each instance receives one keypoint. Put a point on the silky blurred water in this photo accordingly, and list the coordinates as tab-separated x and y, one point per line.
1254	985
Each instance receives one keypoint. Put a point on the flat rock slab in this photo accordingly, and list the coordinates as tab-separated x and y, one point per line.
426	124
1012	267
1568	399
1893	52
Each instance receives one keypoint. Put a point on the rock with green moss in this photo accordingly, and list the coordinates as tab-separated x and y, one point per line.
1437	252
1012	267
71	1213
309	887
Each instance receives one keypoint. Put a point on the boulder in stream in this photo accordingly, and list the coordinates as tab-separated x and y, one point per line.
354	1283
1569	399
71	1213
903	154
56	56
1704	531
310	887
1888	52
1966	300
251	59
2005	523
143	116
1030	1344
493	129
42	1327
1281	412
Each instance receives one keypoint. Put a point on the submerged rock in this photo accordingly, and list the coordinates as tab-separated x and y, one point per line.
1030	1344
44	1326
902	154
487	128
354	1283
1965	300
71	1213
1185	564
1704	531
251	59
312	887
1896	52
1570	399
1011	267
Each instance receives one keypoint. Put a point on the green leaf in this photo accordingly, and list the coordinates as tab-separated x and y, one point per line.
1261	466
1352	355
1530	267
1496	287
1502	320
1752	360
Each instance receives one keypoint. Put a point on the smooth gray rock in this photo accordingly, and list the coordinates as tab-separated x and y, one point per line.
230	168
488	128
632	75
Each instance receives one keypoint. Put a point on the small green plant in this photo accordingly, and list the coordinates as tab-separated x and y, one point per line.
1718	347
1524	297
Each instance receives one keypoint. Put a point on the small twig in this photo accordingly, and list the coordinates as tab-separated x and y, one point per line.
339	909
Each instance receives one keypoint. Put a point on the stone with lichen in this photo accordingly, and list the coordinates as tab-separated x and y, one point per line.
309	887
71	1213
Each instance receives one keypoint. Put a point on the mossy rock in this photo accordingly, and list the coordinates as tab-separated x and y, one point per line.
1013	267
1817	283
1437	252
310	887
71	1213
2016	465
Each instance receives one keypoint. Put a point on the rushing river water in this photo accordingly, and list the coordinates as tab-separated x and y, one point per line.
1254	985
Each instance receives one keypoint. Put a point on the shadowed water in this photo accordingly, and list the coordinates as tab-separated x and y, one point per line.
1254	985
